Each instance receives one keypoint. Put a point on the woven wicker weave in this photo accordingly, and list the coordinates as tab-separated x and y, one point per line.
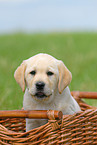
79	128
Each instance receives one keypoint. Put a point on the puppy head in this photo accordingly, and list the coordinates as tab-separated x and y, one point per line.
43	75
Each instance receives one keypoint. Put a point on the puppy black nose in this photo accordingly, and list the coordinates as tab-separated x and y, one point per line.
40	85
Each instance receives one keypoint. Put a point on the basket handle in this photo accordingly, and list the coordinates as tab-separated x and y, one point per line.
85	95
34	114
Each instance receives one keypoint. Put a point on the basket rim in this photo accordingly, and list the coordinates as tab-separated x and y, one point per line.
84	95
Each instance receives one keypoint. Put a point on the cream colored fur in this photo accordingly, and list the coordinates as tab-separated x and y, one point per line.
56	87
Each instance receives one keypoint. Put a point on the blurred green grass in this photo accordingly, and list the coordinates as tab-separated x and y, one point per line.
77	50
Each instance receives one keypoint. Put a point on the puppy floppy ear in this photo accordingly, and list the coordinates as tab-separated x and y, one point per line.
19	75
65	77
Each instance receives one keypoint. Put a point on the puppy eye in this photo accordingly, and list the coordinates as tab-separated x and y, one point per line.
49	73
33	72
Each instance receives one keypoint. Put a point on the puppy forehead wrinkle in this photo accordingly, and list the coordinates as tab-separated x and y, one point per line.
43	68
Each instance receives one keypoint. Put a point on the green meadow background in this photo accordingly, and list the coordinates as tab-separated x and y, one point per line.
77	50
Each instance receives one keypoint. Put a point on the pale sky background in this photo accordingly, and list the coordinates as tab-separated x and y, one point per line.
47	15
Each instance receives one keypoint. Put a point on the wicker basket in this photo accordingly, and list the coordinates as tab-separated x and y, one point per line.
79	128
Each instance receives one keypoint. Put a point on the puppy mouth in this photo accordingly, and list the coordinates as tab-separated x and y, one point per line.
40	95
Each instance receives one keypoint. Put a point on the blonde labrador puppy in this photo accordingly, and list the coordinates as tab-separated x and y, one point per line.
46	80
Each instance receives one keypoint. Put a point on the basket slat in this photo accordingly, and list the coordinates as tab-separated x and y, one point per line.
34	114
